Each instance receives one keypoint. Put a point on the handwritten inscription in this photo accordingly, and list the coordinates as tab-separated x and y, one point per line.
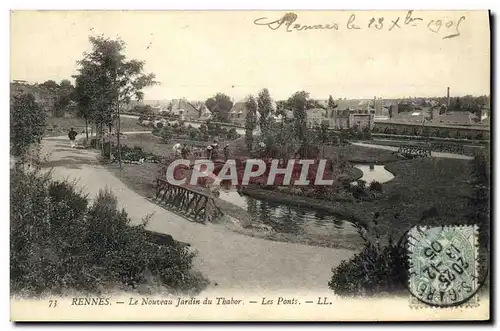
447	28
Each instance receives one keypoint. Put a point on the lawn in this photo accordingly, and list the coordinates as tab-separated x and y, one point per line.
359	154
149	143
419	186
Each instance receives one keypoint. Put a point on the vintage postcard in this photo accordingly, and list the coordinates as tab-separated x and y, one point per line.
250	165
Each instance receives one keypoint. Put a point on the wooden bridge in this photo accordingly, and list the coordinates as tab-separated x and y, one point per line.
193	204
410	151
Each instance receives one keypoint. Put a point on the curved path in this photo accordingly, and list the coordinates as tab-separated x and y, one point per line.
235	262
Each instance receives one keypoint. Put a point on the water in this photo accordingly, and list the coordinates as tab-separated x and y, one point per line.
291	219
378	173
294	219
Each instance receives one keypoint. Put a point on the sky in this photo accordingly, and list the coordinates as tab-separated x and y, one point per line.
196	54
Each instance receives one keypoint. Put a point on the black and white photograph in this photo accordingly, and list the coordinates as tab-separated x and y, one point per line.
260	165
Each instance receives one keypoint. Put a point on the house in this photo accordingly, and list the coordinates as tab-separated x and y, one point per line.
361	120
238	113
184	109
455	118
317	116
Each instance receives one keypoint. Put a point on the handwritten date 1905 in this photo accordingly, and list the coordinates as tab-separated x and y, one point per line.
450	28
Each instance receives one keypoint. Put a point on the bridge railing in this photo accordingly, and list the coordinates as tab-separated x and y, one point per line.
194	204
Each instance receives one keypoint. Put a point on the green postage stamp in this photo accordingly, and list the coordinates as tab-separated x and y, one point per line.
443	266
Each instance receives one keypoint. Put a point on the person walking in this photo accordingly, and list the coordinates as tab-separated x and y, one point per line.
226	152
72	136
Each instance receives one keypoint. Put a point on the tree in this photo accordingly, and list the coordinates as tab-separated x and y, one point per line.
27	124
50	84
479	201
331	103
250	120
113	81
143	109
299	102
220	105
64	94
265	107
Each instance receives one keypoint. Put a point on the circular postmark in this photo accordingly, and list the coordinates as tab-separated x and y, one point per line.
442	264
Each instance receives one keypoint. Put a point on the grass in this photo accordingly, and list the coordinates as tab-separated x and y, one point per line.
57	126
149	143
360	154
419	185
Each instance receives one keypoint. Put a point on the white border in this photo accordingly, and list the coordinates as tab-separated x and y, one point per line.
190	4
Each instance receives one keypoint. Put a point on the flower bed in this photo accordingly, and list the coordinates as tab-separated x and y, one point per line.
131	155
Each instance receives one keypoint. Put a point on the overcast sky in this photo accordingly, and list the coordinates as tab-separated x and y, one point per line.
197	54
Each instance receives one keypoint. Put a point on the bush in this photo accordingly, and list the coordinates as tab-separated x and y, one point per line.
375	186
59	243
373	271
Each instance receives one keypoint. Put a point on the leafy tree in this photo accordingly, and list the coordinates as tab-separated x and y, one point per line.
250	120
331	103
299	102
113	80
27	124
64	94
66	84
143	109
265	107
50	84
220	105
282	143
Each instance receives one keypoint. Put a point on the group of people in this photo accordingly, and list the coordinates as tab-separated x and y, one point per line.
211	151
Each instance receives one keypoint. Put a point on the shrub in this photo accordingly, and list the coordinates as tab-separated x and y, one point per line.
373	271
59	243
27	124
375	186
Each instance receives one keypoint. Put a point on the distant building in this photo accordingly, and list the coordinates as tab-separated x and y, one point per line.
318	116
184	109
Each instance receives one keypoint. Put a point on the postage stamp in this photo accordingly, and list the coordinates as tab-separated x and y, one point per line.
249	165
443	266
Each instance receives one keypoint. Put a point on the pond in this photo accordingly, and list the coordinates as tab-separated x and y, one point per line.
378	173
291	219
296	220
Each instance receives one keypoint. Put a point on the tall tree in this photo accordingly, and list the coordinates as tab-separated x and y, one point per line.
250	120
220	105
64	94
114	80
331	103
27	124
299	102
265	108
